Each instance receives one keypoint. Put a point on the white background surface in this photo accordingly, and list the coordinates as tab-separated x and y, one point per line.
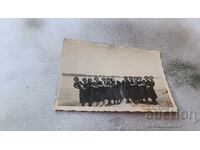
30	54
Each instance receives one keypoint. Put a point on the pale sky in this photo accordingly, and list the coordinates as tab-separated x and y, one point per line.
86	58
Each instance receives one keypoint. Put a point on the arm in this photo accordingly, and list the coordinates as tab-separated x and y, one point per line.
76	86
152	84
100	84
94	86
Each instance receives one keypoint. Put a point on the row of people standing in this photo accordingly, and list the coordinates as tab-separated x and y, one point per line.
109	91
138	89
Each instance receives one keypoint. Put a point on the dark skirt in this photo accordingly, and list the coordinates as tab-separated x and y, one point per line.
126	92
121	92
151	93
95	95
104	94
110	94
86	95
82	96
142	92
119	95
137	90
101	94
98	95
92	95
134	93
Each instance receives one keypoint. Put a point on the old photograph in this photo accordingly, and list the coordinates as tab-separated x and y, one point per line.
100	77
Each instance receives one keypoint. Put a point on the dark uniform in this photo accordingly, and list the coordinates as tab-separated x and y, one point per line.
99	91
132	90
90	91
109	91
84	90
114	88
126	85
150	91
119	95
120	91
142	90
94	92
79	85
136	95
104	91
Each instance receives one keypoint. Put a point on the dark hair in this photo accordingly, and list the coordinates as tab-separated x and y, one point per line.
150	77
90	79
75	78
84	79
96	77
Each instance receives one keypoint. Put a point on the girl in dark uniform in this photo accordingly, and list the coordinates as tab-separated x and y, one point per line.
85	91
99	90
119	95
104	91
94	92
132	89
90	91
125	85
142	90
146	92
150	90
136	95
109	91
114	90
79	85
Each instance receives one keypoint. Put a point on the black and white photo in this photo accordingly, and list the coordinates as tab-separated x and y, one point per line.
99	77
